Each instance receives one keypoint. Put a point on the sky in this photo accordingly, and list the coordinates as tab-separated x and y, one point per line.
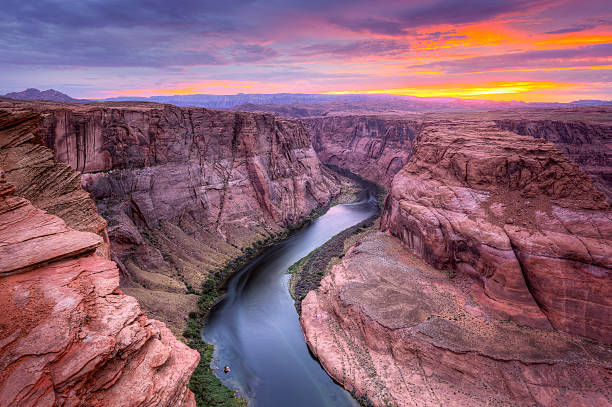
548	50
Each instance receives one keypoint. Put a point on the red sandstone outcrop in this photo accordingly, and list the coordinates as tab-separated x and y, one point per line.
521	247
69	336
49	185
587	143
184	189
394	330
516	215
375	147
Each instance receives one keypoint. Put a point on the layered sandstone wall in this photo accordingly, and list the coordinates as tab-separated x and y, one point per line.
516	310
588	144
184	190
49	185
375	147
516	215
69	336
397	332
378	146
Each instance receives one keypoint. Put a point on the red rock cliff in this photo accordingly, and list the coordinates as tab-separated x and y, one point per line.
375	147
579	135
515	214
378	146
185	189
69	335
521	244
398	332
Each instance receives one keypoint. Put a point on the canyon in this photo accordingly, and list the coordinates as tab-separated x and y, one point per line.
184	191
486	281
490	278
69	335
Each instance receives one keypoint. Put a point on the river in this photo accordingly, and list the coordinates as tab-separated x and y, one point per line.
255	327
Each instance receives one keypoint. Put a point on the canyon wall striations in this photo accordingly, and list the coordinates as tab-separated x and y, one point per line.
184	190
69	336
587	143
374	147
491	280
518	216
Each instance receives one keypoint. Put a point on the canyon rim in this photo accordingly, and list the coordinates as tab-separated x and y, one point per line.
296	203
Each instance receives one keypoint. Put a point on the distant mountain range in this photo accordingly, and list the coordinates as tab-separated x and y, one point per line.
395	102
301	104
49	94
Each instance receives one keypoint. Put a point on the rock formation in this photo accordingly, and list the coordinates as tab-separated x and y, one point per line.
516	309
184	190
69	336
515	214
586	142
374	147
49	95
395	331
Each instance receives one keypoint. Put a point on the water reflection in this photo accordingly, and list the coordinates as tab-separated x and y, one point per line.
256	331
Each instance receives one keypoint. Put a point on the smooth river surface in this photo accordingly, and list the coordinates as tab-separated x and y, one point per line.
256	330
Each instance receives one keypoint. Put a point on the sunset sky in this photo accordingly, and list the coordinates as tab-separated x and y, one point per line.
484	49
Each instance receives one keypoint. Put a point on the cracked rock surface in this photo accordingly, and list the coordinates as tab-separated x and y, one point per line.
395	330
517	216
490	282
184	190
68	335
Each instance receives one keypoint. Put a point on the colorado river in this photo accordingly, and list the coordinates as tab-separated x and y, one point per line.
256	330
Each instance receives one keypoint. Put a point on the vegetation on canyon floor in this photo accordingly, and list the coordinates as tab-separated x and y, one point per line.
208	389
308	272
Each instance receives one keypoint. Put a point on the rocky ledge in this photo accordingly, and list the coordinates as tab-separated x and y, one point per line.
491	286
584	135
378	146
184	190
397	332
517	216
69	336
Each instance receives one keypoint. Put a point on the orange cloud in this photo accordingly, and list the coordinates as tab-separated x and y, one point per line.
566	40
488	34
549	69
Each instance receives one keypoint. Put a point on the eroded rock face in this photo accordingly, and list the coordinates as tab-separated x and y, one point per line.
520	242
185	189
378	146
375	147
69	336
516	215
587	143
398	332
212	166
47	184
